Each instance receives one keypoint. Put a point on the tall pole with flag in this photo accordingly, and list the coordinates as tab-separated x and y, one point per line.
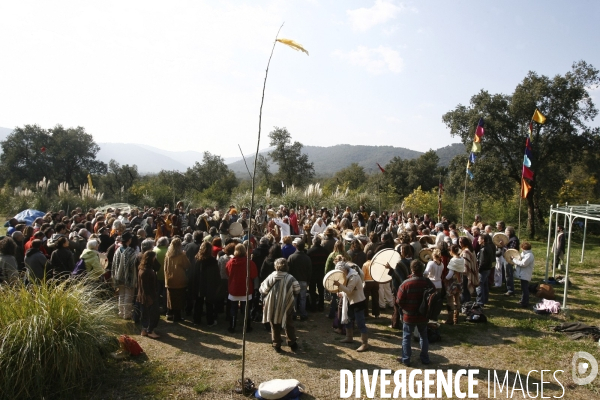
526	172
379	186
476	148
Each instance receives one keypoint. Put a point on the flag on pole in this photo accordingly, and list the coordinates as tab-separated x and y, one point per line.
528	148
469	170
476	147
282	185
526	161
525	188
472	158
382	170
530	129
527	173
480	130
538	117
293	45
477	139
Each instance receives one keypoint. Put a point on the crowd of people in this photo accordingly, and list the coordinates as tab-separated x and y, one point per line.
270	267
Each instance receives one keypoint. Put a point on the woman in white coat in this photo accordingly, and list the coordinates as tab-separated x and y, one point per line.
524	271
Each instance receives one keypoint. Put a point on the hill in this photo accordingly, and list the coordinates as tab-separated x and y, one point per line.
329	160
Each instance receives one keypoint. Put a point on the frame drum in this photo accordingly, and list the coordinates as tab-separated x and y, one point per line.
332	276
378	271
236	229
510	254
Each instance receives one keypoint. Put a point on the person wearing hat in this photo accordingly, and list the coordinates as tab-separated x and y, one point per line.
453	284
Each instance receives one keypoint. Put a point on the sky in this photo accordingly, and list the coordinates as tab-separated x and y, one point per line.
188	75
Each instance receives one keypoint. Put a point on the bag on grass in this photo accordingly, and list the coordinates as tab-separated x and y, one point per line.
130	345
545	291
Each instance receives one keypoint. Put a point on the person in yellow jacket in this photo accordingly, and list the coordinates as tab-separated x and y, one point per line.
176	264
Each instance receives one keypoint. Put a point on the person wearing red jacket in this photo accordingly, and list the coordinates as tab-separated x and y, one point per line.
294	222
236	284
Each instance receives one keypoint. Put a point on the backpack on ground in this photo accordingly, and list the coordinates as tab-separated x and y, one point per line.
79	269
431	306
473	311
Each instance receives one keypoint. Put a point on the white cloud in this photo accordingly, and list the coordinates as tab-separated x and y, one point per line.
376	60
363	19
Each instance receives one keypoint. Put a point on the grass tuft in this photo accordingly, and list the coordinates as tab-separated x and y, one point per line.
53	337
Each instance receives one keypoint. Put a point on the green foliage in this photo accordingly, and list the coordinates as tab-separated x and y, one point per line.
557	145
421	202
30	153
118	179
294	167
351	177
407	175
54	338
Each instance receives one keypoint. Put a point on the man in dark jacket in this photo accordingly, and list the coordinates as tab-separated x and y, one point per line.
191	249
35	261
258	256
318	256
485	259
300	267
410	297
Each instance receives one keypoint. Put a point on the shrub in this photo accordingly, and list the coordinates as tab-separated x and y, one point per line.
54	338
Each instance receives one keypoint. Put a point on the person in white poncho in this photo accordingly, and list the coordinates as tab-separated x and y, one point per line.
280	290
524	271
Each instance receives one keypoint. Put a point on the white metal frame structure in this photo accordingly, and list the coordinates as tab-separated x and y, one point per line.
571	213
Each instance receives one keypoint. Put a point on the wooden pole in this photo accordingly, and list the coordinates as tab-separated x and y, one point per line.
251	210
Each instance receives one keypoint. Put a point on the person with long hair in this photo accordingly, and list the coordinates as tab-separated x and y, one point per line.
124	275
471	275
354	297
176	264
148	295
62	260
9	271
209	282
485	258
453	284
237	283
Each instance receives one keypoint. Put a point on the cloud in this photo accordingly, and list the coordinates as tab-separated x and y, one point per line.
363	19
376	61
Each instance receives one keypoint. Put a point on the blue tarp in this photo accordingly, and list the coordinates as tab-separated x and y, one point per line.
28	216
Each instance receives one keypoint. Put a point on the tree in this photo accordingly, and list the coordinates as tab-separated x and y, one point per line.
352	177
557	144
119	176
408	175
24	157
203	175
72	153
294	167
62	155
264	176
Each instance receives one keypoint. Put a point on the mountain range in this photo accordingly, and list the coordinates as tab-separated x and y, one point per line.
327	160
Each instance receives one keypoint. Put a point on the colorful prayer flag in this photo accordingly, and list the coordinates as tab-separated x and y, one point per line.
476	147
528	148
480	130
382	170
530	129
90	183
472	158
477	139
469	170
527	173
526	161
538	117
525	188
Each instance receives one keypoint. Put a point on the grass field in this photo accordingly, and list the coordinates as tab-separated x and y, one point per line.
199	362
